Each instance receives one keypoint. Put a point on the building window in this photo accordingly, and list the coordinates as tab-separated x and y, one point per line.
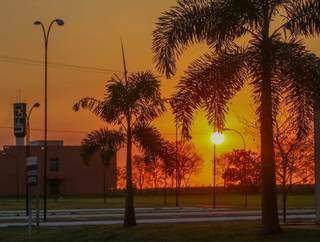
54	164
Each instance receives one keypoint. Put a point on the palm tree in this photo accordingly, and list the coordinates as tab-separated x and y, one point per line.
130	105
272	29
107	143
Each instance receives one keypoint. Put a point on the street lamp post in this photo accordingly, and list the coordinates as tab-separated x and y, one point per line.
177	175
217	138
28	150
46	34
245	166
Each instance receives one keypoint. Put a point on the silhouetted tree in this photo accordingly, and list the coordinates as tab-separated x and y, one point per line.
222	166
107	143
294	159
139	172
121	177
242	169
266	60
294	156
190	163
131	105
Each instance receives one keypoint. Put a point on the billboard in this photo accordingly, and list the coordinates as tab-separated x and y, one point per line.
19	119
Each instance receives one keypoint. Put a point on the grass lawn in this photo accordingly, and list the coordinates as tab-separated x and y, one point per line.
297	201
226	232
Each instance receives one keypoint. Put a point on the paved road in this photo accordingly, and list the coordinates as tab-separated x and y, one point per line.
82	217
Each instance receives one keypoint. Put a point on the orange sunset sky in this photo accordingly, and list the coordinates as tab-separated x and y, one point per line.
91	37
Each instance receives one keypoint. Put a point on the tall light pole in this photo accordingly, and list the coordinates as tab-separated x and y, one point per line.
46	34
171	101
28	150
217	138
245	166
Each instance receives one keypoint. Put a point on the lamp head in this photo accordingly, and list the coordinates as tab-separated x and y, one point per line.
36	23
36	105
59	21
217	138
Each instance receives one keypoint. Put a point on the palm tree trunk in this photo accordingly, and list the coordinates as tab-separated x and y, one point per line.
317	157
270	219
104	185
129	216
284	205
165	188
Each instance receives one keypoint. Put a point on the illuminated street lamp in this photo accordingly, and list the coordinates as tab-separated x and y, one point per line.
216	138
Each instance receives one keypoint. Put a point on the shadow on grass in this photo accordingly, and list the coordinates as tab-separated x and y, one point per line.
225	232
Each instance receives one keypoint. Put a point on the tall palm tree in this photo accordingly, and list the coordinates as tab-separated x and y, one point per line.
211	81
130	105
106	143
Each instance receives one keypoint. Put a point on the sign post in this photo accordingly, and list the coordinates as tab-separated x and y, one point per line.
32	179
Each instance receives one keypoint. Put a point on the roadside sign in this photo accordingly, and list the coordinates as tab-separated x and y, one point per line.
32	170
32	180
32	161
19	111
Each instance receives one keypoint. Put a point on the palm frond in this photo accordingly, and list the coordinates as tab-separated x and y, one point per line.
115	101
209	82
149	140
92	104
145	96
303	17
299	74
105	141
214	22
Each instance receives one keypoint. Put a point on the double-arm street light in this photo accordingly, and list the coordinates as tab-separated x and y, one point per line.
46	34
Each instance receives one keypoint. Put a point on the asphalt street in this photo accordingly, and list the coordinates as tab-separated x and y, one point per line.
85	217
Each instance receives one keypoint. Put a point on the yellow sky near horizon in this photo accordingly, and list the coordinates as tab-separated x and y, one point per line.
91	37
